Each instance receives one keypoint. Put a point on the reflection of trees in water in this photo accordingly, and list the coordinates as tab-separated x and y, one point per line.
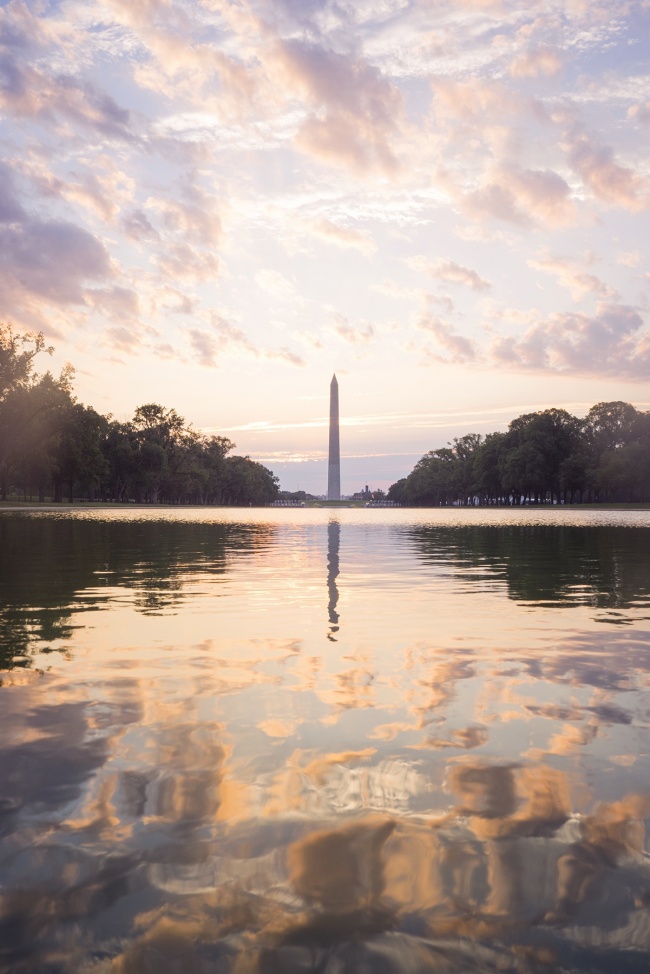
605	567
50	563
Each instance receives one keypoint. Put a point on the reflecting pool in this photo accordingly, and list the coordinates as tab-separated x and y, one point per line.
261	741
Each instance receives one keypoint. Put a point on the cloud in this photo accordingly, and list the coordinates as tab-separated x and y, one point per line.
28	92
223	337
276	284
138	227
52	259
435	118
209	345
612	342
355	111
477	102
11	210
629	258
120	303
355	336
124	339
177	302
96	184
343	236
606	178
392	289
183	61
442	301
100	187
569	274
460	350
537	62
205	346
307	14
20	30
640	113
522	197
46	266
285	354
451	273
192	216
185	262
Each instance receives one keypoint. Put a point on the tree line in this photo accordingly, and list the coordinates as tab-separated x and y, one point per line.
54	447
544	457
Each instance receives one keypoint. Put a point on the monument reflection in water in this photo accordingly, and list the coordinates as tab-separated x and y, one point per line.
200	772
333	545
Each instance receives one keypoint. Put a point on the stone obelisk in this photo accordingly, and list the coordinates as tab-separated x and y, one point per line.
334	466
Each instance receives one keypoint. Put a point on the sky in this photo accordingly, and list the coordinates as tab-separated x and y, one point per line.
217	204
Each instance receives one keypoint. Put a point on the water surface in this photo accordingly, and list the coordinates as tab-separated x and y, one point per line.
296	740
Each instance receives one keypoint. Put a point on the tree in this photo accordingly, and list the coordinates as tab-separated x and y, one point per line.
78	455
397	493
486	465
432	480
160	436
31	408
610	425
249	483
537	444
465	449
17	354
214	450
547	455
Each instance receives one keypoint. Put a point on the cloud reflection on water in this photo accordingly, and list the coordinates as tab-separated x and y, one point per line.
233	793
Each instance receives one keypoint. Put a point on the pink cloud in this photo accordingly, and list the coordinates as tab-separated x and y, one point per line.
285	354
183	261
50	259
355	110
193	215
640	113
120	303
452	273
208	346
537	62
137	226
45	265
477	101
460	350
609	181
522	197
570	275
345	237
125	339
223	337
612	342
355	336
29	92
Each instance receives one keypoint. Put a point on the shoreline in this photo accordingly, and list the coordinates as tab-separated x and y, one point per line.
116	505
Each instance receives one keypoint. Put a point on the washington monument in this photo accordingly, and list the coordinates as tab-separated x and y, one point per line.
334	466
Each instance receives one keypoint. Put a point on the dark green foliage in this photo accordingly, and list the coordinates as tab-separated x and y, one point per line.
544	457
51	445
31	409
